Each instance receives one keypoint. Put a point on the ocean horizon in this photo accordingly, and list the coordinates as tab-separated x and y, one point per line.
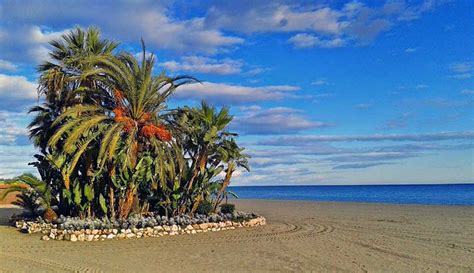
417	194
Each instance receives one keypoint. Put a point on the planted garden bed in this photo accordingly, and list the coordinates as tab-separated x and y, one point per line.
75	229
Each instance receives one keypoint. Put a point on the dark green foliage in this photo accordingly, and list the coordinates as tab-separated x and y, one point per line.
108	147
227	208
205	208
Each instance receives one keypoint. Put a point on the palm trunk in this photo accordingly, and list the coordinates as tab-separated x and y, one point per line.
112	202
200	165
111	193
225	184
126	204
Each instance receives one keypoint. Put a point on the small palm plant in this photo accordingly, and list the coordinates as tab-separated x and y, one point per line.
34	194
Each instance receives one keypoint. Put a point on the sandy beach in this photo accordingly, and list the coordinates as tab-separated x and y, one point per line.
299	236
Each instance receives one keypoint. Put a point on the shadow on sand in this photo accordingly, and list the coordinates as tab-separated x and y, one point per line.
6	213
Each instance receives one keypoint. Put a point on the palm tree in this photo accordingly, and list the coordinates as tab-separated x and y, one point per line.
62	88
128	121
231	154
34	193
203	129
59	80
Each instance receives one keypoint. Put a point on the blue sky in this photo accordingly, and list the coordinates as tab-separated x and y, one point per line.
323	92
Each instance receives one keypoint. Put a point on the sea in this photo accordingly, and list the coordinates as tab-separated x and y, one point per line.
446	194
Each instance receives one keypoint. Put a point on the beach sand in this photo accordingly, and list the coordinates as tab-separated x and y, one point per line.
299	236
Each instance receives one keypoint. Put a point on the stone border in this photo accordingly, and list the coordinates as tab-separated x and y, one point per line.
51	232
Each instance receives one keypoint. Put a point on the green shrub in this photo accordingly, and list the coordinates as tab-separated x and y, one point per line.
205	208
227	208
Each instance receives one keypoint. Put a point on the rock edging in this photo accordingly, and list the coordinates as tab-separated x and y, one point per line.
52	232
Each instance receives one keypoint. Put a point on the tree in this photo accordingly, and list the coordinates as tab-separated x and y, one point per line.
127	122
109	148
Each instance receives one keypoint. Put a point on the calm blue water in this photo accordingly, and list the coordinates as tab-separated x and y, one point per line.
457	194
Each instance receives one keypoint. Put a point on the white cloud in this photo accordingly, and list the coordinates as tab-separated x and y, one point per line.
129	21
256	71
461	71
411	50
354	21
6	65
272	17
16	91
206	65
304	40
13	129
14	160
26	44
277	120
229	94
312	139
320	81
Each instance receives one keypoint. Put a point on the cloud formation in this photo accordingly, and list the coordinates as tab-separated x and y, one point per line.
128	21
277	120
16	92
461	71
9	66
310	139
13	129
228	94
315	25
205	65
304	40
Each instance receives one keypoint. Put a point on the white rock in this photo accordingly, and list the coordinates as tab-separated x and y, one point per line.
73	237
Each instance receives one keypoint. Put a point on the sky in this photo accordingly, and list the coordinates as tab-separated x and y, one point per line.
322	92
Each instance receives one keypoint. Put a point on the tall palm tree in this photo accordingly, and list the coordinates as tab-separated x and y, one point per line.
128	120
230	153
61	87
203	128
59	81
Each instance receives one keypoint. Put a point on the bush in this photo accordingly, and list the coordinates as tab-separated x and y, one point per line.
204	207
227	208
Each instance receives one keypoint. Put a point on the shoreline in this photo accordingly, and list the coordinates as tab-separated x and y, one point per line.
298	236
350	202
